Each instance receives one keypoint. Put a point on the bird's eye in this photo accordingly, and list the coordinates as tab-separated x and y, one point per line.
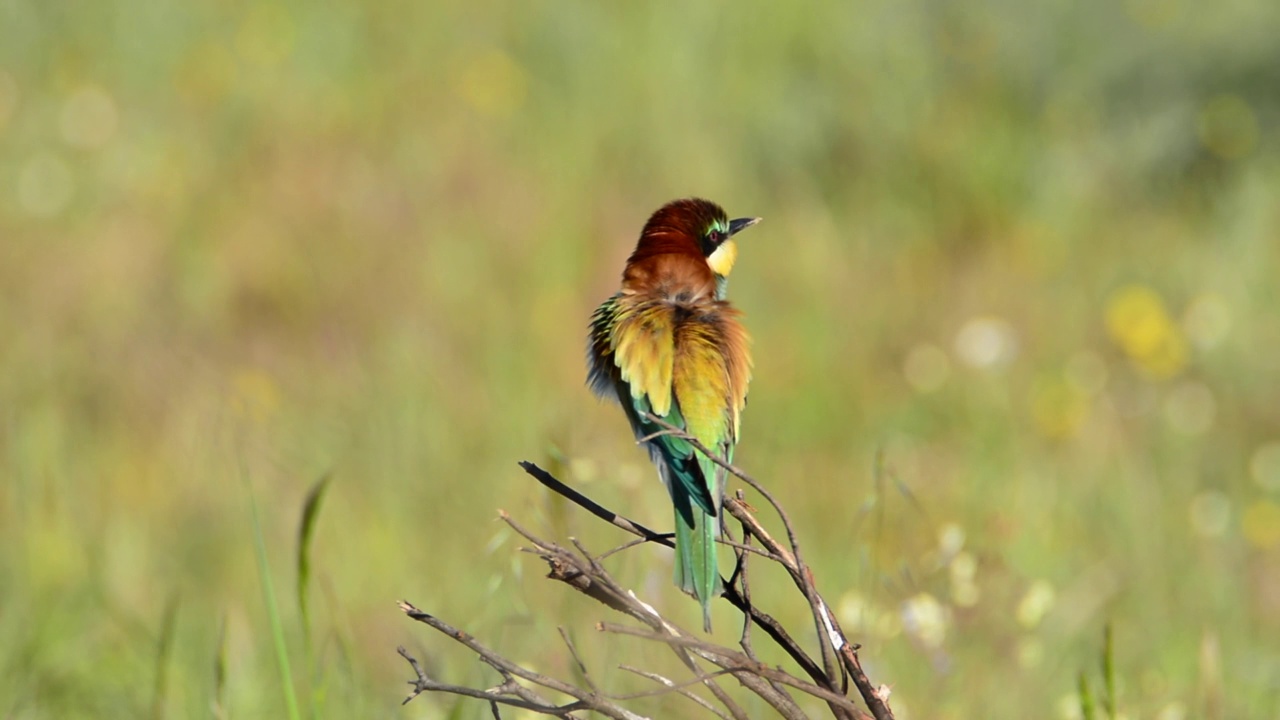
715	237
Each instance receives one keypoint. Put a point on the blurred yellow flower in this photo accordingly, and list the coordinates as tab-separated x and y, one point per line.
1058	407
1139	323
493	84
1261	524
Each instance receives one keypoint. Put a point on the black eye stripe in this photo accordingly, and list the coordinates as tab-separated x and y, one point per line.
712	238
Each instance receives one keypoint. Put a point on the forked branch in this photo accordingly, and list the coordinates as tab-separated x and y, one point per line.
824	677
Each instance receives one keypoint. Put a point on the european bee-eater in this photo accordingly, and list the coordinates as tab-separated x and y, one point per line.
668	343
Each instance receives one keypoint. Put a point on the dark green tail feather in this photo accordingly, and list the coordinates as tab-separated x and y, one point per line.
696	570
695	484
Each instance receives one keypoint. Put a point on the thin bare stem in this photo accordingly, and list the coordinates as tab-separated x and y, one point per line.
736	663
581	666
579	568
767	622
671	686
509	670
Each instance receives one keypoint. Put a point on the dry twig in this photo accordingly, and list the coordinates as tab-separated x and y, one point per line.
707	663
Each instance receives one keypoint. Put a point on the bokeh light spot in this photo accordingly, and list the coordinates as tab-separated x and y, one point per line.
1207	320
1261	524
951	539
963	567
89	118
1030	652
925	618
1035	604
1190	408
1264	466
986	343
584	469
965	594
963	570
1210	513
1228	127
45	185
852	611
1069	707
926	368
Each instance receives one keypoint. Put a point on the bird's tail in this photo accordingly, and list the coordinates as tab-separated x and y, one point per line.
696	532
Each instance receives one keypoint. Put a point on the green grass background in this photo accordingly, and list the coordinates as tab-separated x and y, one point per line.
1016	309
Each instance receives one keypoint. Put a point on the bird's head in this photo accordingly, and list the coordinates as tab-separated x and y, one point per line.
694	225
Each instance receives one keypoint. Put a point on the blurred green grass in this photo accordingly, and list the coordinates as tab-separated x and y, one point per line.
1025	254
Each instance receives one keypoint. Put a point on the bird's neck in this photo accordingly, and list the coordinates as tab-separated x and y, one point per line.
672	277
722	287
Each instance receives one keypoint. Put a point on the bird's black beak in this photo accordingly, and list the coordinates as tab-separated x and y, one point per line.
741	224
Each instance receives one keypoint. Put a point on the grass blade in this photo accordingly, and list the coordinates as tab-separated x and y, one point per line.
220	672
163	650
306	531
273	609
1086	699
1108	672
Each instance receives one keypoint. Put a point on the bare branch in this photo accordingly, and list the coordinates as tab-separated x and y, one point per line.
736	663
424	684
522	699
768	623
579	568
582	667
670	686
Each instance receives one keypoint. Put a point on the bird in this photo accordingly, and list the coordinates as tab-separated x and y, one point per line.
669	344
